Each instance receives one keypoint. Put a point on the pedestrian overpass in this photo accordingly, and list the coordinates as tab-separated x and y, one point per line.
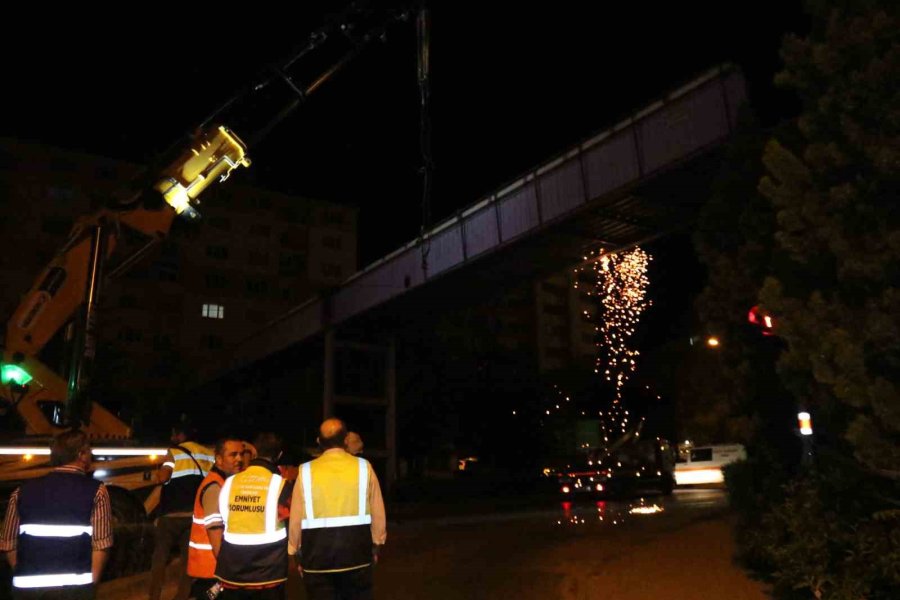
630	184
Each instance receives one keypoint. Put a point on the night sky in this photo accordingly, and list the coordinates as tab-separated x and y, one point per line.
511	86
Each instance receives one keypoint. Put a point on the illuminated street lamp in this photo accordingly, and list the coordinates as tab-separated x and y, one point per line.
712	341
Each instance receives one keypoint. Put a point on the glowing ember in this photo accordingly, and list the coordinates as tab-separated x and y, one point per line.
645	510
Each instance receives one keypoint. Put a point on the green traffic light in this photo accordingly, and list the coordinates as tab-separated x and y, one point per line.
14	374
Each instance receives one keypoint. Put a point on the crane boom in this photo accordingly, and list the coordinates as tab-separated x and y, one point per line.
65	292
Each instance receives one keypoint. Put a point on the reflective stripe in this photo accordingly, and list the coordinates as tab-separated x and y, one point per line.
255	539
272	503
224	495
200	546
39	581
363	484
307	490
55	530
198	521
169	464
186	472
216	517
336	521
197	457
311	522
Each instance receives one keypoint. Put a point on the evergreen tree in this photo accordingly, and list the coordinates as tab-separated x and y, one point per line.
820	249
837	230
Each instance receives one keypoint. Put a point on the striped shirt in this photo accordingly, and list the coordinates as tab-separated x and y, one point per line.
102	537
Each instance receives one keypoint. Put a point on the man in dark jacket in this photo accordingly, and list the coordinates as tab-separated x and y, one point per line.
58	530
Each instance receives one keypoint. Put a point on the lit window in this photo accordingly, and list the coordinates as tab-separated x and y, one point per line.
213	311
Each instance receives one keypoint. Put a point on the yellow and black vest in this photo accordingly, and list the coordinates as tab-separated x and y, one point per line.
254	545
192	463
337	529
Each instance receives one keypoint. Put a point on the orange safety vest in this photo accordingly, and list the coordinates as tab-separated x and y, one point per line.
201	560
289	473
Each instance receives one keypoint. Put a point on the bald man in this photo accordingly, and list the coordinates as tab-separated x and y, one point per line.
353	443
338	524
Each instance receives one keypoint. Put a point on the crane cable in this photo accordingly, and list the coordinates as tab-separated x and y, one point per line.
423	26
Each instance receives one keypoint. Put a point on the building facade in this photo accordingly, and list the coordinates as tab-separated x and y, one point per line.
254	255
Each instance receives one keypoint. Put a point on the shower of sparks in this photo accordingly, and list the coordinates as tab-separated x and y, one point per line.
645	510
620	281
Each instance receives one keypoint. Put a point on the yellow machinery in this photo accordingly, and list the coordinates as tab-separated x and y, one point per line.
67	289
64	296
72	282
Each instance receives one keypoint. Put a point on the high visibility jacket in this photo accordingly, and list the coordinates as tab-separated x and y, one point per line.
337	525
201	560
254	545
55	532
191	464
289	473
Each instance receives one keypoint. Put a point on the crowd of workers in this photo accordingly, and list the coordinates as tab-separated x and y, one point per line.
239	520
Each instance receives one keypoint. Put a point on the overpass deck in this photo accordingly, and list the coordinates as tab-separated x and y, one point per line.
615	189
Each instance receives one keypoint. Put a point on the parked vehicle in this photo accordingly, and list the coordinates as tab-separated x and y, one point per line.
634	466
703	464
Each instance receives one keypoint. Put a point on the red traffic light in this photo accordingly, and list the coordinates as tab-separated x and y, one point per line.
761	319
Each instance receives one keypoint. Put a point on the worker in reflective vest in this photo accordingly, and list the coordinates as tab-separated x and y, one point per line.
337	525
57	529
206	528
353	443
253	558
186	464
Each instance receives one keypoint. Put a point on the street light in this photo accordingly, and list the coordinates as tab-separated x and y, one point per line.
712	341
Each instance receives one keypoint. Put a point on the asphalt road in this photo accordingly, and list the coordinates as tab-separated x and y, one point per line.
541	547
676	548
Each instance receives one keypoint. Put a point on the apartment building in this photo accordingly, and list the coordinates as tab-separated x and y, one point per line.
255	254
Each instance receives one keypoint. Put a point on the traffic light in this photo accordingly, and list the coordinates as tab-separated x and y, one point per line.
14	374
761	319
804	423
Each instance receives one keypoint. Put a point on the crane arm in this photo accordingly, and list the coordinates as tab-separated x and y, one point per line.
70	282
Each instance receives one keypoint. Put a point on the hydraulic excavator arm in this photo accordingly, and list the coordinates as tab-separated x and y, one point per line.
72	282
66	291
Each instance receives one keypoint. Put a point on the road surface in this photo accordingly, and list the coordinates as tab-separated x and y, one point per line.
544	548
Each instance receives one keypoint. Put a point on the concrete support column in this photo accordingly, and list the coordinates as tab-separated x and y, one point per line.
391	414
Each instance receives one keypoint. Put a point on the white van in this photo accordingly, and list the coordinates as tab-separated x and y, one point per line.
703	464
